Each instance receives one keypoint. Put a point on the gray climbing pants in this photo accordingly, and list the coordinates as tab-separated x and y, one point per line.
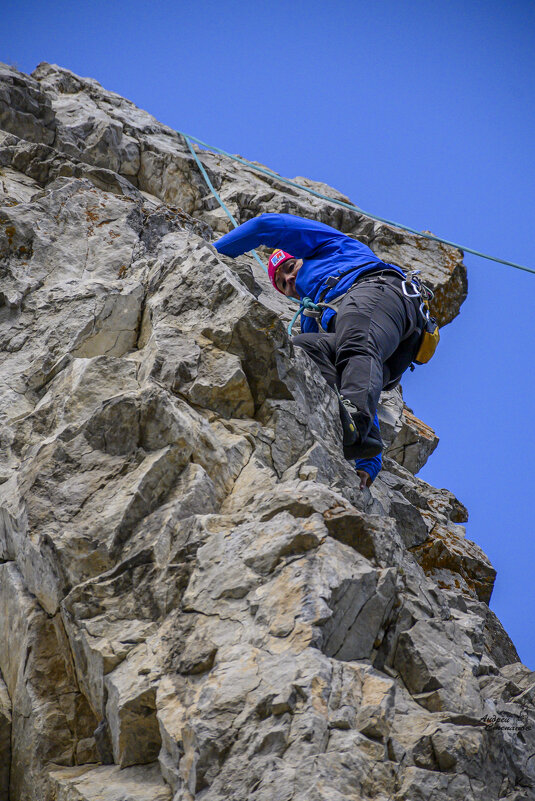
376	336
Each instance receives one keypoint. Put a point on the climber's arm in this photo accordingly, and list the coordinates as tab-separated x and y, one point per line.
296	235
369	466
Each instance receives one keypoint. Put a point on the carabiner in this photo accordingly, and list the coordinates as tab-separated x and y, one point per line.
412	284
411	281
424	310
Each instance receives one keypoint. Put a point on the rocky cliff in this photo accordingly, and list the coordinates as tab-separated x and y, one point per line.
196	599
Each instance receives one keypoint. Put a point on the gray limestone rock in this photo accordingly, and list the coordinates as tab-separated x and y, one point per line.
430	659
108	783
50	719
25	109
413	444
194	591
5	739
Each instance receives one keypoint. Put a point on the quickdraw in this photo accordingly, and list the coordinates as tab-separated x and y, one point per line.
413	287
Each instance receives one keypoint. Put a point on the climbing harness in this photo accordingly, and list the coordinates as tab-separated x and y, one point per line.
412	287
310	309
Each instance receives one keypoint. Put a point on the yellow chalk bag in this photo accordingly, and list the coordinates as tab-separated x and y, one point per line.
429	341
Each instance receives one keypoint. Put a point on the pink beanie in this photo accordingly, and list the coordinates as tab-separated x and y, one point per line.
277	258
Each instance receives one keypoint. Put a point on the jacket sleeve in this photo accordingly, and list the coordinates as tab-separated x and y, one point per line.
296	235
373	465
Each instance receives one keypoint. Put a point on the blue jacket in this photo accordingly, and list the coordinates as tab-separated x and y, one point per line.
325	252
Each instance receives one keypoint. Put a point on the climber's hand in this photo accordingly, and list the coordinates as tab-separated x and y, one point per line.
365	480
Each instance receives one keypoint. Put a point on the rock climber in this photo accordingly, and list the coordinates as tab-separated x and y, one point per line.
370	327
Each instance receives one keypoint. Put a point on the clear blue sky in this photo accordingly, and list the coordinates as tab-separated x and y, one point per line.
421	112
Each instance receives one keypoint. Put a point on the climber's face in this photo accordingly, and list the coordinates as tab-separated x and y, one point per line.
286	277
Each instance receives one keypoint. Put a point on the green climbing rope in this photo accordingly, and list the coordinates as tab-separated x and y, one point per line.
351	206
309	305
218	197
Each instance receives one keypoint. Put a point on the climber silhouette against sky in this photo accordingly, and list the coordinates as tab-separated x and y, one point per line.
370	329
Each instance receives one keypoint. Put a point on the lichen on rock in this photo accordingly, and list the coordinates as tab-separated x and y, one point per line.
196	598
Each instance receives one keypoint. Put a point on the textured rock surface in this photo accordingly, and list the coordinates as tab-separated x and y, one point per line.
196	599
5	739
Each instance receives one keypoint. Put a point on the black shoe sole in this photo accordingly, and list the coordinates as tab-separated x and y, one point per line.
372	446
363	450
